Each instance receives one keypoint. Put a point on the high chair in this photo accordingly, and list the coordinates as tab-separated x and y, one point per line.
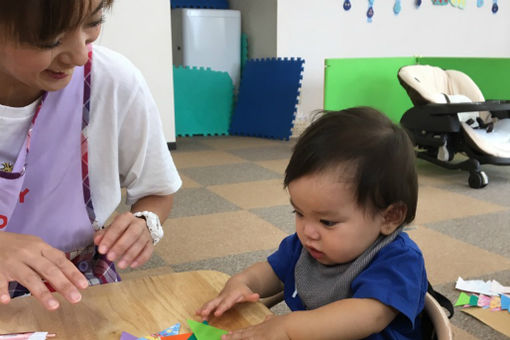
451	116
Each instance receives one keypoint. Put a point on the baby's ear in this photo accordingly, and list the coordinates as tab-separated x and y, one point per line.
393	217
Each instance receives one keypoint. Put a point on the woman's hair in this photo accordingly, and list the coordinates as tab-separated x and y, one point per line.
364	143
36	21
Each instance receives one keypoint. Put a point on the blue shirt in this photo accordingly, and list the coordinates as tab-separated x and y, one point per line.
396	277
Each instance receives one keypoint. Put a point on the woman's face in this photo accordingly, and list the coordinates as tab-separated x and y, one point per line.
28	70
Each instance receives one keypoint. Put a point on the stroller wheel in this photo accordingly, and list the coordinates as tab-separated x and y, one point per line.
478	179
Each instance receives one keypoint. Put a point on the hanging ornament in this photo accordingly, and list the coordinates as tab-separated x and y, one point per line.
440	2
458	3
370	12
397	7
347	5
418	3
495	6
479	3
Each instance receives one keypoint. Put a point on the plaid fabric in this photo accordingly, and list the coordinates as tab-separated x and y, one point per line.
94	266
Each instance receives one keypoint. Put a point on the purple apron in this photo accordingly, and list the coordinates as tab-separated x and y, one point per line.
47	194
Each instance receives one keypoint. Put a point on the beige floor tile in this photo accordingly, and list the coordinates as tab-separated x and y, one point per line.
238	142
188	182
250	195
459	334
436	205
447	258
193	159
278	165
201	237
443	179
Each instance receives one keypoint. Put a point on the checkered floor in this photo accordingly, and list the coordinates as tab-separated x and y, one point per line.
232	211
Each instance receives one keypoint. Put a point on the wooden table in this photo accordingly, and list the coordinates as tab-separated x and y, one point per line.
140	306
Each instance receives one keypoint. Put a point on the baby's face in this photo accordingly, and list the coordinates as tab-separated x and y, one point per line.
330	224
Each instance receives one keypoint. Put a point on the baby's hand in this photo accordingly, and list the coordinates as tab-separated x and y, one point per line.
233	293
271	329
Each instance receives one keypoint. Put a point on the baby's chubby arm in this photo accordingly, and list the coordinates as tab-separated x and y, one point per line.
344	319
258	280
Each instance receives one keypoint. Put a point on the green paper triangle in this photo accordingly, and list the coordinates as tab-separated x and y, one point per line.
462	300
473	300
205	332
193	337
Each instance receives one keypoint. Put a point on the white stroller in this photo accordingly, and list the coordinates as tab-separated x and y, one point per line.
451	116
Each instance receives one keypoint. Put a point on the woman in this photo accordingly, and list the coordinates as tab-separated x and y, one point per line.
77	124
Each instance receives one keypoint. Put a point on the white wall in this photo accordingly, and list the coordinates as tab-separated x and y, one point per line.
325	30
141	30
258	21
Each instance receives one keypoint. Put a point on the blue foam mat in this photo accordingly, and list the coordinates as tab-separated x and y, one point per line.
212	4
268	98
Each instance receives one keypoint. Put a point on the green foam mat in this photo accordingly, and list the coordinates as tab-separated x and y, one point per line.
203	101
244	49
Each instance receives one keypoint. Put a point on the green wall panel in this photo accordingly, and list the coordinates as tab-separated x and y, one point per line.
373	81
492	75
368	82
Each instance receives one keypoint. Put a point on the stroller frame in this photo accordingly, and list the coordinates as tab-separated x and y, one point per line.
431	126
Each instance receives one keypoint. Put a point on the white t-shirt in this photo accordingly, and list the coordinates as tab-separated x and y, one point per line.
127	148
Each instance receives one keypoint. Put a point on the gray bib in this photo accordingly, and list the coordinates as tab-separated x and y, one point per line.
318	284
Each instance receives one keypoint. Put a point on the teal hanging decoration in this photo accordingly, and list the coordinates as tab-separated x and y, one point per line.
440	2
397	7
370	12
495	6
479	3
347	5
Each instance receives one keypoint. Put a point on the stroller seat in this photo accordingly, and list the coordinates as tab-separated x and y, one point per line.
451	116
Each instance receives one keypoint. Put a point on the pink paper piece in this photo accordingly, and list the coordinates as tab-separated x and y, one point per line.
484	300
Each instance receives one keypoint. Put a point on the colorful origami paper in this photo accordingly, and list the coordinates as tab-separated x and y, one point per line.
462	300
204	331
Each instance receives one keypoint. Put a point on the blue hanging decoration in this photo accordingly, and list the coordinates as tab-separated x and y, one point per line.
418	3
397	7
370	12
495	6
347	5
479	3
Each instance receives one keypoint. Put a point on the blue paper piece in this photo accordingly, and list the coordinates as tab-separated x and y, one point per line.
213	4
172	330
505	302
268	98
127	336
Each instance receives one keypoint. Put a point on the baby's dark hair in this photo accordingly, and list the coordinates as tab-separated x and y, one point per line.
377	152
39	21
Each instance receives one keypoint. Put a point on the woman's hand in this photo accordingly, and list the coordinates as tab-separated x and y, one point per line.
273	328
29	260
234	292
127	239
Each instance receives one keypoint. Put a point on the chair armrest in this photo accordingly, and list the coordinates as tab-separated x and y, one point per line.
494	106
270	301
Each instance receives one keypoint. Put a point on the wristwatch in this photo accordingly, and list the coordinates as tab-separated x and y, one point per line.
153	224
